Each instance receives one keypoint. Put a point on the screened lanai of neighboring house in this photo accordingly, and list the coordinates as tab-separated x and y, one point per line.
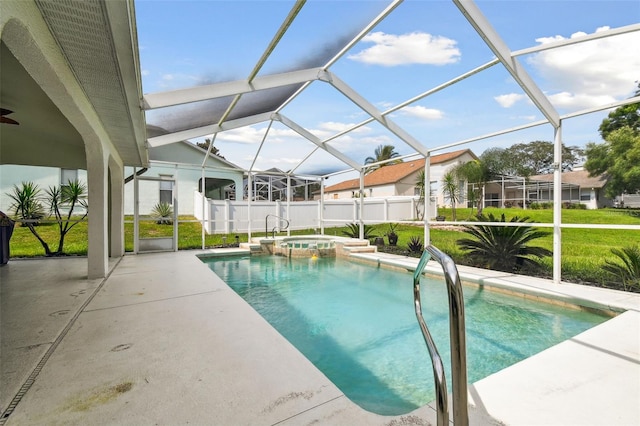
313	87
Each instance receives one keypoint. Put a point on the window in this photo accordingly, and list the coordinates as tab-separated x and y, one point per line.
68	175
166	190
585	197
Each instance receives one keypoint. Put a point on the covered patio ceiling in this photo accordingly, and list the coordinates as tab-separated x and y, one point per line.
291	89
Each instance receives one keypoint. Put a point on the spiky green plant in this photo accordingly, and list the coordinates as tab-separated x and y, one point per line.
629	271
67	197
415	244
163	213
503	248
27	206
353	231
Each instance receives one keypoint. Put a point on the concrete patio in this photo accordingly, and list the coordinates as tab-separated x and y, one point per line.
162	340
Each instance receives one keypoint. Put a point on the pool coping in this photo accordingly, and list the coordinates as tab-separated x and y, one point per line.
487	402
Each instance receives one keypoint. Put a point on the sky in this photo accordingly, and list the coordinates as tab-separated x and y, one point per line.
417	47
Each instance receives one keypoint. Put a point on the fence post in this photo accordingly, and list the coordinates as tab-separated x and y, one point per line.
227	219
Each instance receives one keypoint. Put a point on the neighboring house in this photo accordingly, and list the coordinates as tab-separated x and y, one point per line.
271	185
400	179
577	188
45	177
182	162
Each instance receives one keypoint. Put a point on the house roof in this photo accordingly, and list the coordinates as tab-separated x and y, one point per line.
579	178
395	172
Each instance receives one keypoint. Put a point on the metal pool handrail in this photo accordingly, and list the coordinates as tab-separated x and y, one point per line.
457	340
273	231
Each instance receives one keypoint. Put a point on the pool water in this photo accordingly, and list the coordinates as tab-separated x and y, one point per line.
357	324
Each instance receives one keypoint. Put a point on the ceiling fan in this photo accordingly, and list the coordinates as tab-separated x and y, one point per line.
6	120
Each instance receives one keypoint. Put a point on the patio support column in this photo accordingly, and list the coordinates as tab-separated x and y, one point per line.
116	208
557	205
97	224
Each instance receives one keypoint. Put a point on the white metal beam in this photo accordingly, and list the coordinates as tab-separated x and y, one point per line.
314	139
207	130
370	109
230	88
500	49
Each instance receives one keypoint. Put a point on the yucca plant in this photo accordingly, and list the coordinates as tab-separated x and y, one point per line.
163	213
503	248
629	271
27	206
415	244
67	197
353	231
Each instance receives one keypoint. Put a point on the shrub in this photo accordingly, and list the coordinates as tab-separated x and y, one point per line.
353	231
503	248
629	271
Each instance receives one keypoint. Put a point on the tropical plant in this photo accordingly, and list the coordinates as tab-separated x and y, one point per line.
391	234
382	153
162	213
477	174
503	248
629	271
67	197
353	231
415	244
451	190
27	206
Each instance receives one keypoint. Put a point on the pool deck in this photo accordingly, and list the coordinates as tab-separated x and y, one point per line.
162	340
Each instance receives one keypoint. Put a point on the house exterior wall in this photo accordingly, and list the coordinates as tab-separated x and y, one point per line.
13	175
187	181
592	198
407	185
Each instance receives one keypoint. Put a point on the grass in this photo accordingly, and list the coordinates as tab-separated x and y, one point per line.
583	250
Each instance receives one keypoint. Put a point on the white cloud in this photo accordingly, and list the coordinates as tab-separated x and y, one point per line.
590	73
508	100
412	48
422	112
145	72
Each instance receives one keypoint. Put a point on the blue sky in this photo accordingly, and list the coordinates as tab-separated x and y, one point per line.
420	45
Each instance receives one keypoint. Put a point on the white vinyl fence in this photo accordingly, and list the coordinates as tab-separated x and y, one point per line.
226	216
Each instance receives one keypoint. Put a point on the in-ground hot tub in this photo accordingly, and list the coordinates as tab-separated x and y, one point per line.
304	246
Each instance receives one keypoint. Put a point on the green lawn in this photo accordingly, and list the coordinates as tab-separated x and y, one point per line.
583	250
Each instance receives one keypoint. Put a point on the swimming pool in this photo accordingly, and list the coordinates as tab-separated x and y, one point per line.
357	324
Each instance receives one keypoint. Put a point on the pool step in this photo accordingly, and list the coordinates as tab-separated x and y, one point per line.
357	246
252	247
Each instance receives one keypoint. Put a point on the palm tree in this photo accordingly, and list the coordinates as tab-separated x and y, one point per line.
382	153
503	248
451	190
478	173
629	271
